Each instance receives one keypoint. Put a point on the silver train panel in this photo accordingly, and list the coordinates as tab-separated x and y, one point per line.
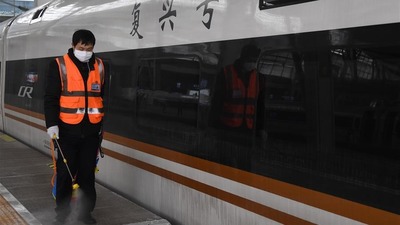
50	35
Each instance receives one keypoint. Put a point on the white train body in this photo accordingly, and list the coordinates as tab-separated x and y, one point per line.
182	181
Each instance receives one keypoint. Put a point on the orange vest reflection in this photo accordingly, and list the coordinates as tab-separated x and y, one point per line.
240	101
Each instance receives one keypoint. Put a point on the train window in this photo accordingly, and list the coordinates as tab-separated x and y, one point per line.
283	86
278	121
366	111
268	4
168	98
366	89
25	90
284	112
37	16
359	65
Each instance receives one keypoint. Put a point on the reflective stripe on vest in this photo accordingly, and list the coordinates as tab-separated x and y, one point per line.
73	103
240	102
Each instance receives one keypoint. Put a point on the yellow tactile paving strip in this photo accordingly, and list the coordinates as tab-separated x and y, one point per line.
8	215
6	138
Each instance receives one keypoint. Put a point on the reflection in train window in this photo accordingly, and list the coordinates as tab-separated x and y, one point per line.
367	114
352	65
168	97
285	112
366	99
283	129
356	64
328	117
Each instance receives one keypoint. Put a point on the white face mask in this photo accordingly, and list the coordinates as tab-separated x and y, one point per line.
83	56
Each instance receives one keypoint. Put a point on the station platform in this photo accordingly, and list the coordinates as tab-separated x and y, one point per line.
25	192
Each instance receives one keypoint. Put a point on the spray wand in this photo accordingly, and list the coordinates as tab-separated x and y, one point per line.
75	186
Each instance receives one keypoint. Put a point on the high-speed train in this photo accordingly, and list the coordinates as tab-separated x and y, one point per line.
326	147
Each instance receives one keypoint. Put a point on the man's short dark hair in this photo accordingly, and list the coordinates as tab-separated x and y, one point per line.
84	36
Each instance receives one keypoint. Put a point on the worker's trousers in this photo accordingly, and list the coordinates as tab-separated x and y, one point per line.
80	154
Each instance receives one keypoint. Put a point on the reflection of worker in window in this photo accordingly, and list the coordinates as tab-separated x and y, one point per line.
235	106
237	92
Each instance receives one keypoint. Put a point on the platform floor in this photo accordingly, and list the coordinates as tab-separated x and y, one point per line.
25	192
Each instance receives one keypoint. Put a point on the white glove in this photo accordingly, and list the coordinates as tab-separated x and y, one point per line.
53	132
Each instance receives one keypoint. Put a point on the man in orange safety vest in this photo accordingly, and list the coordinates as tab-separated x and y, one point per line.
73	105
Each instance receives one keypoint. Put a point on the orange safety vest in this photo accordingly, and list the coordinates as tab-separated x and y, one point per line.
73	101
240	101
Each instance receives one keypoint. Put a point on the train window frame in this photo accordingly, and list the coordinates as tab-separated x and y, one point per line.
269	4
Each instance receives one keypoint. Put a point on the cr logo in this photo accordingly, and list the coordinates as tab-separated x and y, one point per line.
25	91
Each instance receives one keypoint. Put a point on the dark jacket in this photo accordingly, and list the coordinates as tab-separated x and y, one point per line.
52	100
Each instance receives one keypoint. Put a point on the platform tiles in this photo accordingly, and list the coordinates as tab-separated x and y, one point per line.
25	195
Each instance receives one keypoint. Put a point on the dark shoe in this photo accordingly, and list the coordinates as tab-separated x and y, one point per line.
62	214
60	218
87	219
